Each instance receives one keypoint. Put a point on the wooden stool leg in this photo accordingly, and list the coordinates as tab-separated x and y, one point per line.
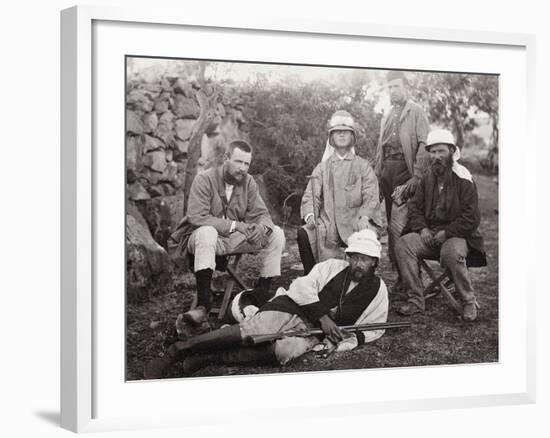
234	278
439	281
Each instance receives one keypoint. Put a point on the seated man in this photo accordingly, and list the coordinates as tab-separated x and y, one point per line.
335	292
346	196
225	215
443	222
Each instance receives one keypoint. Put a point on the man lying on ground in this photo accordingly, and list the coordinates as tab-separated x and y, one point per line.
335	293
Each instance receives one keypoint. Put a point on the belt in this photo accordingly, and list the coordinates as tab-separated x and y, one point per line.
394	157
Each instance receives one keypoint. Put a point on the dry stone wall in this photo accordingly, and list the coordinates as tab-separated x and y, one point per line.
160	118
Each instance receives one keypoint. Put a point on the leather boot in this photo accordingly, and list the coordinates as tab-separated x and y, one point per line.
199	314
204	291
221	339
306	253
262	355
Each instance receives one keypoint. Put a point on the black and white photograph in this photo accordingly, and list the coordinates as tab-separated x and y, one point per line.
285	218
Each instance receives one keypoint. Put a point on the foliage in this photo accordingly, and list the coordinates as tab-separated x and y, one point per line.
289	126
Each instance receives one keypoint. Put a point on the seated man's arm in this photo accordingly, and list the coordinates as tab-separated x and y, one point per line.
470	217
199	210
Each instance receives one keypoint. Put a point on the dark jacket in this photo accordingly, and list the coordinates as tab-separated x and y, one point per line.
461	206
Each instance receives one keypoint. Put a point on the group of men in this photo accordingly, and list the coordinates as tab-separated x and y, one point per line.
431	206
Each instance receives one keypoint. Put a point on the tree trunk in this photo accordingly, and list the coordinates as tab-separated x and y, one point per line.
207	105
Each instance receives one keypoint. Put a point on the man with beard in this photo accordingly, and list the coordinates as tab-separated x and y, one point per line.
344	193
443	222
399	158
226	215
335	292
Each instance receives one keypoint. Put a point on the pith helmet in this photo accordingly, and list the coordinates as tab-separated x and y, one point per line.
440	136
364	242
341	120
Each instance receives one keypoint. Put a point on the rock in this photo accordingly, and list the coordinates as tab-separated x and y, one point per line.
161	190
139	100
134	151
162	215
134	125
185	108
155	160
161	105
164	132
136	192
154	88
151	176
170	172
131	176
148	266
151	143
183	87
165	85
167	117
150	122
184	128
169	154
182	146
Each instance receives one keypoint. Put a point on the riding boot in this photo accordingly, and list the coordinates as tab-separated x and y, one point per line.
306	253
204	291
227	337
263	355
221	339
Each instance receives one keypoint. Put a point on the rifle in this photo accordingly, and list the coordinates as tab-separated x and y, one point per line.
252	340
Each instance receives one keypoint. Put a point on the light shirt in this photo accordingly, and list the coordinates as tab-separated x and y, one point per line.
228	192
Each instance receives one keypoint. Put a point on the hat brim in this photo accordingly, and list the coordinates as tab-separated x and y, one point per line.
428	146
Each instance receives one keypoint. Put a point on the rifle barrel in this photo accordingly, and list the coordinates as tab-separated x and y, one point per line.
252	340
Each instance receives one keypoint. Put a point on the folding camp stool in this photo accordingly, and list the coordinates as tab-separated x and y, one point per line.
225	263
442	283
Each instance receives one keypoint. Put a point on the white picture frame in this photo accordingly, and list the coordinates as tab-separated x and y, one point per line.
84	176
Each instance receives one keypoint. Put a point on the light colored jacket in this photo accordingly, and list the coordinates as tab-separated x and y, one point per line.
208	206
345	191
413	134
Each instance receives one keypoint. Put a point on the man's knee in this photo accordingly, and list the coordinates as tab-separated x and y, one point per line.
205	235
453	252
290	348
277	238
405	244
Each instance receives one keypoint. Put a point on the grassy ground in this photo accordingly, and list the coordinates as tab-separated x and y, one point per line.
437	337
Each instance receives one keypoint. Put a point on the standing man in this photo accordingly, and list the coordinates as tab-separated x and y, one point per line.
343	190
335	292
225	215
399	162
443	222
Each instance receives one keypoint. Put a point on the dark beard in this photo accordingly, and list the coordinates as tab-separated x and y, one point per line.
366	277
440	168
229	179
